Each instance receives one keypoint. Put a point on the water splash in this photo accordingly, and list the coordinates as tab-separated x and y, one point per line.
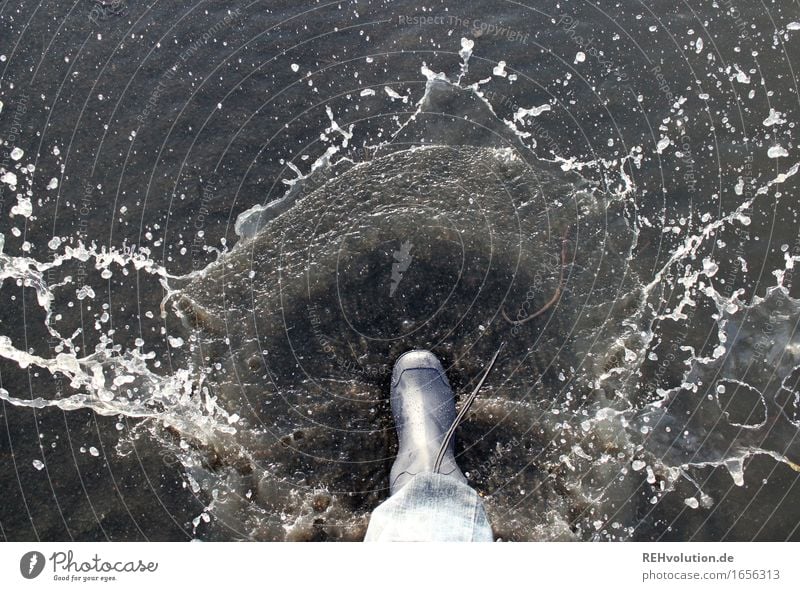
278	400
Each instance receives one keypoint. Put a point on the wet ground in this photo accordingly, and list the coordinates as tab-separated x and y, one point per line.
179	361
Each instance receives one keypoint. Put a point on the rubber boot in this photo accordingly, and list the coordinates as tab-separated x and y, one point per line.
424	409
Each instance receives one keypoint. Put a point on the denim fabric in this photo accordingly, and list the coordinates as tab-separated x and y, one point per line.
430	508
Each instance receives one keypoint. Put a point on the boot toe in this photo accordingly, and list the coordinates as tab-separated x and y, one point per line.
415	359
423	406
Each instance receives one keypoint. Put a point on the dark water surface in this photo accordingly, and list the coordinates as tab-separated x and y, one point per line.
222	222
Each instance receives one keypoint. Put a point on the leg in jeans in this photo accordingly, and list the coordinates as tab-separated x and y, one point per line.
431	508
430	500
